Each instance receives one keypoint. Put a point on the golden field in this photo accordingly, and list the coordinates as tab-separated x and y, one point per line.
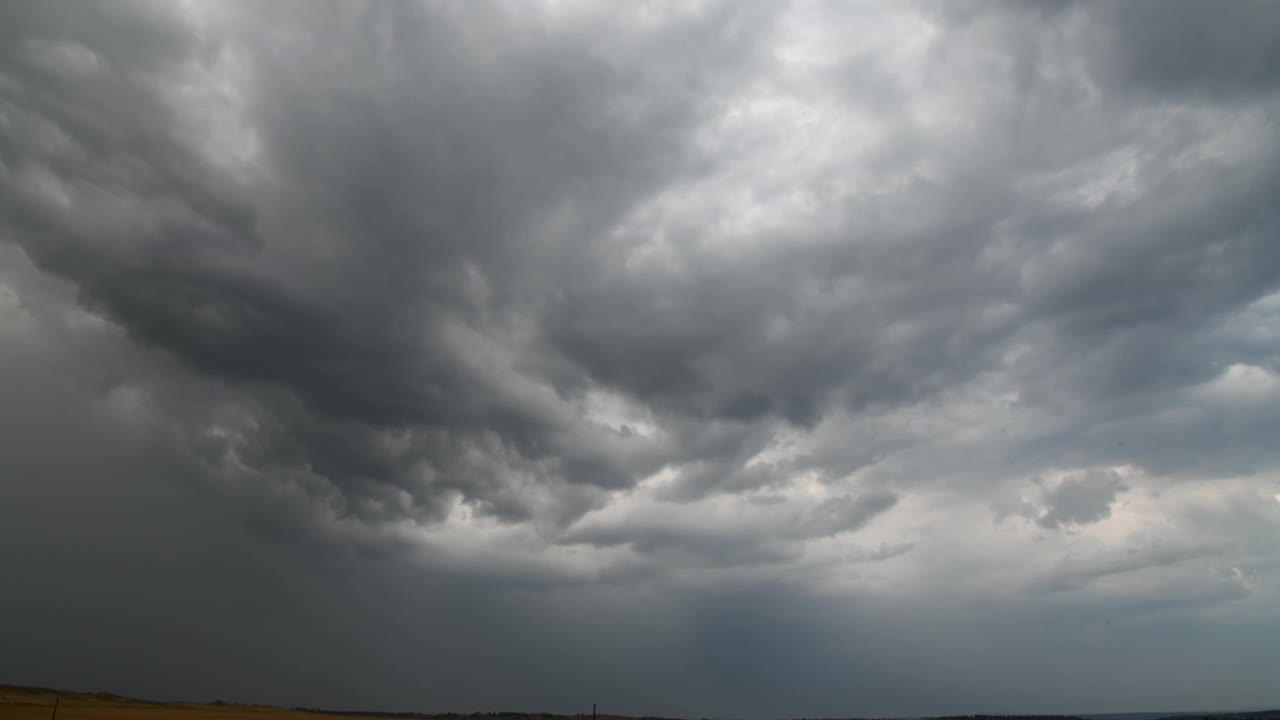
22	703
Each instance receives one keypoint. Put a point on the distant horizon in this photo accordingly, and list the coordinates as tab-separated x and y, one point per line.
1143	715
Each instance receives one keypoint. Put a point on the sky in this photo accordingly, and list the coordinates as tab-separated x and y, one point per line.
713	359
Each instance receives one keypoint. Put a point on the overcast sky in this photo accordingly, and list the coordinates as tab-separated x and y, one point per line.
698	358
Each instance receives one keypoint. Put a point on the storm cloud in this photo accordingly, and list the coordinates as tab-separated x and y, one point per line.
709	358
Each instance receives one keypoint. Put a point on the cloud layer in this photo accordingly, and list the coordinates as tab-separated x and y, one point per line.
817	358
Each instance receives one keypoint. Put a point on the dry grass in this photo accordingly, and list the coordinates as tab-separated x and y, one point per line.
22	703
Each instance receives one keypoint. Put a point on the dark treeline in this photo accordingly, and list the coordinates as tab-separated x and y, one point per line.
510	715
488	715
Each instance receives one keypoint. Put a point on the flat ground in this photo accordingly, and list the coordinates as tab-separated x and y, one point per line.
22	703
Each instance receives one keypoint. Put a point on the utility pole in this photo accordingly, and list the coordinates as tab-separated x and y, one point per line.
593	711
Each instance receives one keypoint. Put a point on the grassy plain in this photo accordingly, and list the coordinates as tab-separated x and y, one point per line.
24	703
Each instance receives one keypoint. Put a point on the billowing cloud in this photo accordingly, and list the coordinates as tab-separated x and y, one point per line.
1081	499
860	339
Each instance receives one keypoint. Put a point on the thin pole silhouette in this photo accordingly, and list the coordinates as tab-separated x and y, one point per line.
55	709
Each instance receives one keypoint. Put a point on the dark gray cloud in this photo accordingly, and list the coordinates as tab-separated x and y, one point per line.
726	334
1080	500
1187	49
662	529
